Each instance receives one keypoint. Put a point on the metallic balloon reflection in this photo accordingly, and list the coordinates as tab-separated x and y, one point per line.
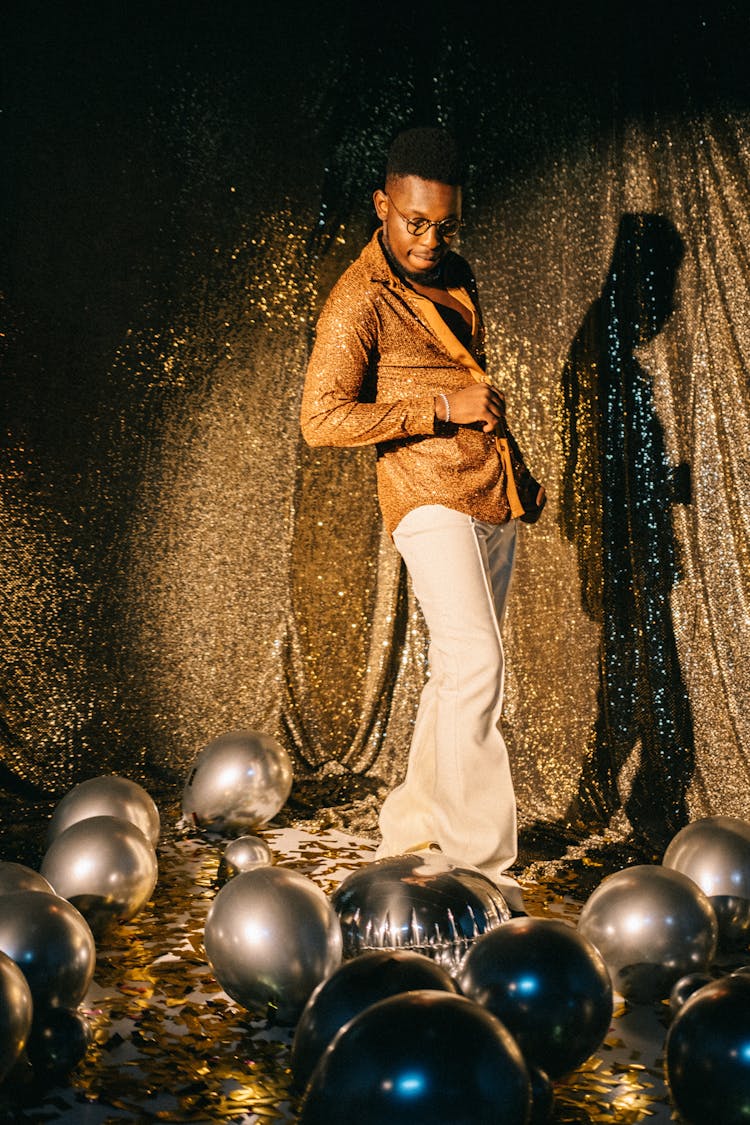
105	866
652	925
18	877
548	985
243	854
715	853
708	1054
424	1057
237	783
51	943
421	902
354	986
108	795
16	1009
271	937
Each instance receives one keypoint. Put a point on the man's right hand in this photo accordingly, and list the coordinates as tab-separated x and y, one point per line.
479	404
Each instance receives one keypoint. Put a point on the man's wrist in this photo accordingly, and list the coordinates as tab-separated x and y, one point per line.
442	408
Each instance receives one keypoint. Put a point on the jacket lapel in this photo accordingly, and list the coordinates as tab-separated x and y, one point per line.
463	356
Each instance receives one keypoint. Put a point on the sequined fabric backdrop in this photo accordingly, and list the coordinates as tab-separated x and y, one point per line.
183	185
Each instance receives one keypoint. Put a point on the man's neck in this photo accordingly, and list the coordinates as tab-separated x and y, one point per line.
432	279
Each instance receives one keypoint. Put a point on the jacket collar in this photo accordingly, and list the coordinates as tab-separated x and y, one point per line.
376	263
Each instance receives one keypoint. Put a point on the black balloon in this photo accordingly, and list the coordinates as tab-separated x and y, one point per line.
547	984
58	1041
353	987
733	917
685	987
708	1054
542	1097
420	1057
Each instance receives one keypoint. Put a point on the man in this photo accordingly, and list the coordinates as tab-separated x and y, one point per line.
399	363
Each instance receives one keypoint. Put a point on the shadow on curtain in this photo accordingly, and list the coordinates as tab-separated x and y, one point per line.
617	494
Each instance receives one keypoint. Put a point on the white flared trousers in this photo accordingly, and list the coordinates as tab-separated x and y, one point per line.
458	790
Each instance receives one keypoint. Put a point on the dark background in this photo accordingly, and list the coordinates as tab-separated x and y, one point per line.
138	139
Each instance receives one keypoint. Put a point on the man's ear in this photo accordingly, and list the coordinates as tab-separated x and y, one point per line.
380	199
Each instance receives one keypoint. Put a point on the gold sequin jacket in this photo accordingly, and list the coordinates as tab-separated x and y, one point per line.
381	355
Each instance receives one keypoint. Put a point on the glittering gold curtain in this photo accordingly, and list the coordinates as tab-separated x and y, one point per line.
177	563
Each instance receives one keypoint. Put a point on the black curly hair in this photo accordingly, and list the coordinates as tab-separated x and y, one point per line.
428	152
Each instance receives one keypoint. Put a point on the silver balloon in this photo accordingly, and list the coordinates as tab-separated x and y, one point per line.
243	854
109	795
51	943
16	1009
271	936
237	783
652	925
17	877
422	902
715	853
105	866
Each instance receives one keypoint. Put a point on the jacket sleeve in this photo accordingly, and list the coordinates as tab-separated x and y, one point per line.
335	410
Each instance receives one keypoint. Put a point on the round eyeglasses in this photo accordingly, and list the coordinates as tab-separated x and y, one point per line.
445	228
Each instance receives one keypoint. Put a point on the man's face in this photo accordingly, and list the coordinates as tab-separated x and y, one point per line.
418	255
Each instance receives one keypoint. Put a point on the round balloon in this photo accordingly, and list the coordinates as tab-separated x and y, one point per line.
684	988
51	943
237	783
58	1041
421	902
708	1054
271	936
109	795
16	1009
652	925
547	984
715	853
105	866
353	987
18	877
733	916
243	854
420	1057
542	1097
